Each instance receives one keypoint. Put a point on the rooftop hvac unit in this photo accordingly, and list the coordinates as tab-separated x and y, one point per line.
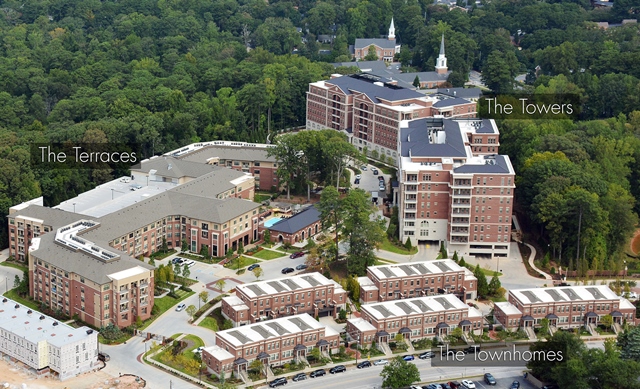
55	323
41	317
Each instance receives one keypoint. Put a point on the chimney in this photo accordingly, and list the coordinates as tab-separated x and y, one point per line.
55	323
41	317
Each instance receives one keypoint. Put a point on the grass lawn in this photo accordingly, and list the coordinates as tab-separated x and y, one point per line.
261	196
13	295
158	255
388	246
491	273
14	265
197	342
210	323
165	303
244	261
268	254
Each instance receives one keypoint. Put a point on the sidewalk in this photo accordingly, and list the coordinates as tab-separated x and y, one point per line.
532	258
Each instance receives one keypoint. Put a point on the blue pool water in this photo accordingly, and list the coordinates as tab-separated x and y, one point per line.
269	223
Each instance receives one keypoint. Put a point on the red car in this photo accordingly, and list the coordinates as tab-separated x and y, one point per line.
296	255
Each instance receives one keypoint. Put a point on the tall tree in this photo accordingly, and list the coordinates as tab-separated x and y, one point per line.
399	374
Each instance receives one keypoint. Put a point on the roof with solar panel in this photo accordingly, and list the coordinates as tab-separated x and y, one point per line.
564	294
424	268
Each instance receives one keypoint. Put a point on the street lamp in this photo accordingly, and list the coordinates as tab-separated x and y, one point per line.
357	344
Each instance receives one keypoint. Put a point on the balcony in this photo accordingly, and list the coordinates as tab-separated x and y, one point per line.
462	193
460	221
461	183
411	188
460	211
461	203
459	231
459	239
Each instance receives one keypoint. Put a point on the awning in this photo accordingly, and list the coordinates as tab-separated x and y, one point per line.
322	342
551	316
299	347
442	325
616	314
263	355
240	361
591	314
405	330
527	318
465	323
382	333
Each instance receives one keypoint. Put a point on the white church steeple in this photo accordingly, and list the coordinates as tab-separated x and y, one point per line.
392	31
441	62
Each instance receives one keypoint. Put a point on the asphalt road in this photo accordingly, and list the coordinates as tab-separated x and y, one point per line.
370	377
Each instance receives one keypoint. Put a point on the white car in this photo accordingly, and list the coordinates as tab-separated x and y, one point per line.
415	387
468	384
190	263
380	362
181	307
198	350
358	176
363	168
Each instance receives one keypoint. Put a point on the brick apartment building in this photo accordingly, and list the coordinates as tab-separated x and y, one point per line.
76	276
371	112
246	157
275	342
417	279
45	345
310	293
415	318
564	307
454	187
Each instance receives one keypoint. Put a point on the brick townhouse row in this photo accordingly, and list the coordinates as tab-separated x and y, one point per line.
414	319
310	293
394	282
275	342
564	307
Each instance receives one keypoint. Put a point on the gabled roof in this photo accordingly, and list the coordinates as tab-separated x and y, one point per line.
351	84
380	42
173	167
228	153
465	93
496	164
297	222
451	102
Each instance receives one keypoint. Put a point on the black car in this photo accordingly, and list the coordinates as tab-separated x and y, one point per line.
299	377
552	386
255	265
301	266
380	178
317	373
427	355
515	385
357	181
278	382
364	364
288	270
445	386
488	378
375	172
471	349
104	357
338	369
177	260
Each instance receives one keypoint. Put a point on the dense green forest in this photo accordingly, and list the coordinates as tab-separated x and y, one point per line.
163	73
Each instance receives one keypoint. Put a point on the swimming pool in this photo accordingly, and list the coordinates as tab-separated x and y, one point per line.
269	223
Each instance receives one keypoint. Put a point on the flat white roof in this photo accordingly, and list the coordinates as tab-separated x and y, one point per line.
424	305
473	312
626	304
235	302
508	308
134	271
29	325
425	268
287	284
361	324
564	294
219	353
270	329
366	283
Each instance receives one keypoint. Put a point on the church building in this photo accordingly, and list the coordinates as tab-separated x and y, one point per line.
385	49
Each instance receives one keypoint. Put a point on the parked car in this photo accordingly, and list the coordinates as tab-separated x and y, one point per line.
364	364
317	373
297	254
515	385
180	307
551	386
302	266
357	181
468	384
374	171
488	378
427	355
382	187
198	350
408	358
380	362
363	168
454	384
104	357
177	260
445	385
358	176
278	382
472	349
250	268
190	263
432	386
338	369
415	387
299	377
380	178
288	270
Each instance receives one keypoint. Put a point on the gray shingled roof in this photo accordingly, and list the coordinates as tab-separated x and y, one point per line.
486	127
348	84
53	217
501	166
364	43
211	184
423	76
297	222
228	153
85	265
174	168
465	93
420	144
451	102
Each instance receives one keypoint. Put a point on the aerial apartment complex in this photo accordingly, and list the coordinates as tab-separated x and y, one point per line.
454	187
414	318
564	307
416	279
310	293
274	342
45	344
371	112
